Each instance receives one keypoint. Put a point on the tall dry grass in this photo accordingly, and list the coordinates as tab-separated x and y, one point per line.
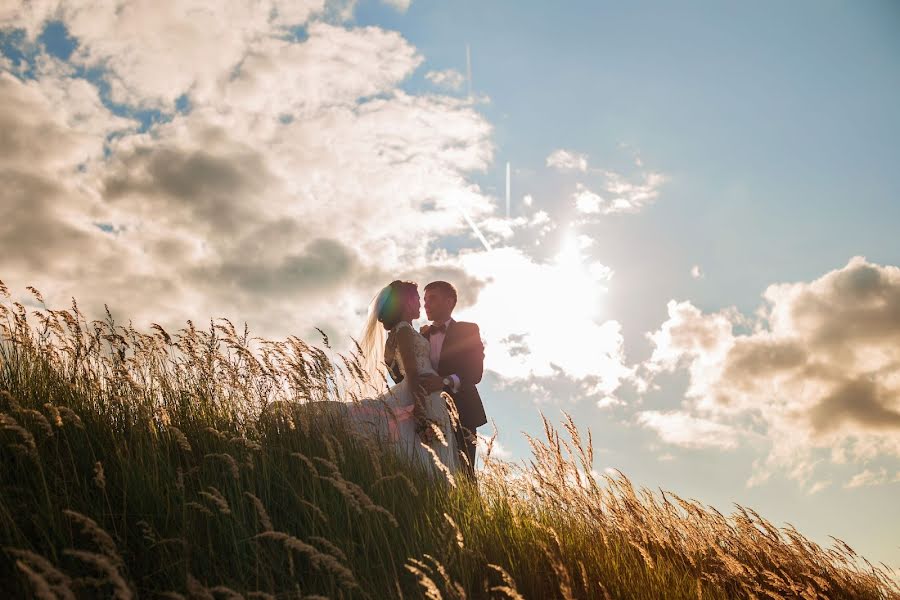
195	465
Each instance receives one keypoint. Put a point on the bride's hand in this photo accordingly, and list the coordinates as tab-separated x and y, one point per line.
431	382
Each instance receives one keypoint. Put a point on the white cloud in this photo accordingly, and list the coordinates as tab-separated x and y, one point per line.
156	51
609	402
566	160
450	79
52	131
541	218
629	196
301	181
587	202
697	272
817	372
819	486
400	5
527	200
29	16
619	194
869	477
334	67
682	429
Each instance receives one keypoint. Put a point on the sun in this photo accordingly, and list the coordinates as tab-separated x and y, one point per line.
545	318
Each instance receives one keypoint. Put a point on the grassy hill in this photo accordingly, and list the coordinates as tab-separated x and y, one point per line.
195	466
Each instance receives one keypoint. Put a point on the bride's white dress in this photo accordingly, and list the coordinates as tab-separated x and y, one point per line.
390	416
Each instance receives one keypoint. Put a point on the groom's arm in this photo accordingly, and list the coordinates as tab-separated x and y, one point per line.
471	358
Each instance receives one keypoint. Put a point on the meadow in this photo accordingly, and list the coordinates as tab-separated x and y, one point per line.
194	464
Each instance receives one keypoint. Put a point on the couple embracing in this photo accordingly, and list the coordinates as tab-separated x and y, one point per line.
434	409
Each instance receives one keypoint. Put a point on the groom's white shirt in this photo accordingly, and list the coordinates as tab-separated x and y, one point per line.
437	342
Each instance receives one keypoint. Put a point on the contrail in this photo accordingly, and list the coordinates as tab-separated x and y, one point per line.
481	238
507	190
469	70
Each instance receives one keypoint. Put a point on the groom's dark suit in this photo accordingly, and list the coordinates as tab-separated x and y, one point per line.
462	355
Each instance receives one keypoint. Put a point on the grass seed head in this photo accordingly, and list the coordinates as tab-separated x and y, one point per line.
70	417
39	586
261	513
428	585
199	508
102	562
225	592
97	534
229	461
180	438
217	499
55	416
456	531
197	590
99	476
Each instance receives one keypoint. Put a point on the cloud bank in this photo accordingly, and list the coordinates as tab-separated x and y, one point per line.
299	179
816	372
282	177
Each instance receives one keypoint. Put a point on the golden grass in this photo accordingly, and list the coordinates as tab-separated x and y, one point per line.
197	465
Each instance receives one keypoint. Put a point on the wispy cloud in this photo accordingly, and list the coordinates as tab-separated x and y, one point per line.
400	5
819	486
619	195
566	160
681	429
450	79
870	477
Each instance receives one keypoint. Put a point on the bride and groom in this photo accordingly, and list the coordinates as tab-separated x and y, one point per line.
435	370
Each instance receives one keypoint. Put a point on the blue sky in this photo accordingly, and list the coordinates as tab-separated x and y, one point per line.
777	124
753	143
778	127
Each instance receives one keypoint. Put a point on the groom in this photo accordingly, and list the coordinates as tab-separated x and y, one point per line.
457	354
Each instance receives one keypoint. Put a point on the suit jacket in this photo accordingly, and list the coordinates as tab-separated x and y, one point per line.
462	354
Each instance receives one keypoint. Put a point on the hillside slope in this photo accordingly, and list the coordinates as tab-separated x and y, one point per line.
149	465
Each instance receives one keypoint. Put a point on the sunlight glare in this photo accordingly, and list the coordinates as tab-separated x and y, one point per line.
543	319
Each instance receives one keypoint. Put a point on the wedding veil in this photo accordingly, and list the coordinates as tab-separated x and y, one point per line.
372	340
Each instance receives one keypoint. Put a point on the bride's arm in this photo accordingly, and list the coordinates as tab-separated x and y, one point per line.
407	354
390	358
406	350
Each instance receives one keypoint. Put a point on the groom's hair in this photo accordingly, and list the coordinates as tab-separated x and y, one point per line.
444	288
394	297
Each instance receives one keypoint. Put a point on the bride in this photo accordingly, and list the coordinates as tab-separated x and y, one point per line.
407	414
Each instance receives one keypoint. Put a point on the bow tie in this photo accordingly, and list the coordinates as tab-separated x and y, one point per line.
442	328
